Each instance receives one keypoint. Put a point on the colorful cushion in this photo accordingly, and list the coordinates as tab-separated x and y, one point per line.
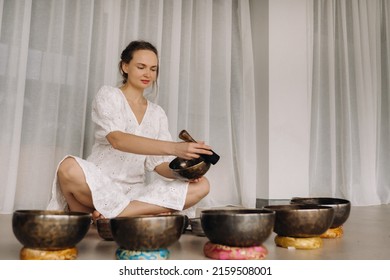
298	242
36	254
222	252
159	254
337	232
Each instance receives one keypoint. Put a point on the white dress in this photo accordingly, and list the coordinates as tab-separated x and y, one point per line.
114	177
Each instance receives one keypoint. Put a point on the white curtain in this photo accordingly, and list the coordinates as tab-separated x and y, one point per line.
55	55
350	111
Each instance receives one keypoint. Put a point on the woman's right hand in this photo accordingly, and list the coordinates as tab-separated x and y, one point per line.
190	150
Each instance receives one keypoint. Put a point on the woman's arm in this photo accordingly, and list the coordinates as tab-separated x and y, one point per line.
130	143
164	170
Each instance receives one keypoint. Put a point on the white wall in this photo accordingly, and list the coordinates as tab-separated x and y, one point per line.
287	126
259	20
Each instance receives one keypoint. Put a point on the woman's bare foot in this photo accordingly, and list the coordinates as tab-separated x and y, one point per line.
165	213
96	216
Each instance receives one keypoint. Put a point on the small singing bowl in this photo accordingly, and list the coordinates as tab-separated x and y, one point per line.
237	227
147	232
189	169
299	220
50	230
342	207
104	229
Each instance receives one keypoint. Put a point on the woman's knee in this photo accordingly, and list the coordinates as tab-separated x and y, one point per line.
203	187
69	171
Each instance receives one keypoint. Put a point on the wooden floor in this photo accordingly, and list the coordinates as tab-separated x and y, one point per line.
366	237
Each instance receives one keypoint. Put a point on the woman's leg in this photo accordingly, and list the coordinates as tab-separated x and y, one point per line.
74	187
136	207
196	191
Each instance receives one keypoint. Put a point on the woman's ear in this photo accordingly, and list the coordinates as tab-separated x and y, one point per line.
125	67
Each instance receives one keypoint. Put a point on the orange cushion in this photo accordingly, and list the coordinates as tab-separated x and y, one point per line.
298	242
36	254
337	232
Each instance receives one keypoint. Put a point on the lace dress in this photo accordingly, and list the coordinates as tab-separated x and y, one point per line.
114	177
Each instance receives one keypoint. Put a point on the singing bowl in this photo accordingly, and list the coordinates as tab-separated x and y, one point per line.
189	169
147	232
50	230
237	227
342	207
299	220
104	229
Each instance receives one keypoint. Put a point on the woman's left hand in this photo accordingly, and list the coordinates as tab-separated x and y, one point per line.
195	180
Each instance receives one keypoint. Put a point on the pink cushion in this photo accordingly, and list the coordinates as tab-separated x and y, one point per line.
222	252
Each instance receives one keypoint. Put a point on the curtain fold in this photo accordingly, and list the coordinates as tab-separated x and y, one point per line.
350	108
55	55
247	151
13	81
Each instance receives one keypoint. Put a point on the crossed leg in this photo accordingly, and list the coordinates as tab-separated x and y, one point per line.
74	187
78	195
196	191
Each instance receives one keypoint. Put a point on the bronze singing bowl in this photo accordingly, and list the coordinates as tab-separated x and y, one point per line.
50	230
104	229
342	207
189	169
237	227
147	232
298	220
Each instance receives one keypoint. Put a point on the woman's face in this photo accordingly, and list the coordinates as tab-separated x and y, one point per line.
142	69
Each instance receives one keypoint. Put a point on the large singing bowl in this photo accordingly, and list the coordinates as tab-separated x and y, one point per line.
147	232
189	169
342	207
50	230
297	220
237	227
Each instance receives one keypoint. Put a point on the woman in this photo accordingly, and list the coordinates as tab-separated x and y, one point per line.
131	137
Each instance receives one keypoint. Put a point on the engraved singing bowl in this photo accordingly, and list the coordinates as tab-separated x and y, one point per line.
147	232
213	158
189	169
301	220
237	227
104	229
50	230
342	207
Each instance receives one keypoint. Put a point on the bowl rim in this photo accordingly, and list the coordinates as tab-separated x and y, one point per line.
49	213
148	217
103	221
237	212
297	207
329	200
202	161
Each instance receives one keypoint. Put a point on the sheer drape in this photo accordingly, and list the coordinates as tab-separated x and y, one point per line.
350	131
55	55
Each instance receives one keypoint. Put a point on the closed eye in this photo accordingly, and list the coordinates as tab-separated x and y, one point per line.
142	66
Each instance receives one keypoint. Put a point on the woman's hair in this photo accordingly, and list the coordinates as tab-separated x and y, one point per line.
128	53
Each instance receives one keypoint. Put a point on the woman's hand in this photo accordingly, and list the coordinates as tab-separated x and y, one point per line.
196	180
190	150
